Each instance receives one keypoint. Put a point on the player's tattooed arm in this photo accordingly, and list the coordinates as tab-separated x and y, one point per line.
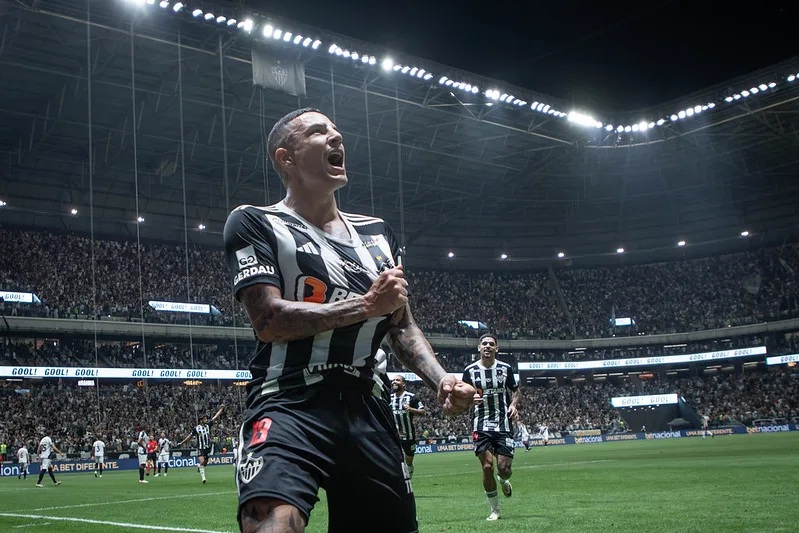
277	320
412	349
269	515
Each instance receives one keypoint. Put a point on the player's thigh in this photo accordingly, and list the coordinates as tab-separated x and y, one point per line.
503	445
372	485
272	515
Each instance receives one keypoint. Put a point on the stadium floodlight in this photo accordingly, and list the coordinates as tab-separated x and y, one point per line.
728	99
609	127
340	52
762	86
503	256
178	7
736	96
150	2
689	112
73	212
297	39
164	4
561	255
697	109
140	219
269	30
231	22
332	49
287	36
196	13
201	227
220	19
316	44
442	80
451	254
247	25
643	125
372	60
413	71
628	129
635	127
420	74
619	250
680	243
620	129
681	114
306	42
2	203
745	94
661	121
650	125
771	85
711	105
405	70
277	34
428	77
744	233
396	68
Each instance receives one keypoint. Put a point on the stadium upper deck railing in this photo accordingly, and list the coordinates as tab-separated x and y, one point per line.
38	327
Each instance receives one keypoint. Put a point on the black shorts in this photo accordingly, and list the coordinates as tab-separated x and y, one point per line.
498	442
408	447
339	438
152	456
204	452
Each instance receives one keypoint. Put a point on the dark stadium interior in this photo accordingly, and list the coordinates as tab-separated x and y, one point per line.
688	227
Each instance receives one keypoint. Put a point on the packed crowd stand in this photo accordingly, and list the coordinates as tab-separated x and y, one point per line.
688	295
73	416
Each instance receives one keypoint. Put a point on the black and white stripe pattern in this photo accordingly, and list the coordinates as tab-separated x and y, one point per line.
203	434
403	418
496	385
276	246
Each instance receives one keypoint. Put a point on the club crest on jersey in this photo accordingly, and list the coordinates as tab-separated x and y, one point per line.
314	290
250	467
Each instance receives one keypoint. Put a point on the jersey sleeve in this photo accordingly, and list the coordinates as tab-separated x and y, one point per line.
510	382
393	244
467	377
194	431
251	249
416	403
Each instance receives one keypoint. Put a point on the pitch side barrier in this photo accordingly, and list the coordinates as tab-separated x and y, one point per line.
110	465
595	439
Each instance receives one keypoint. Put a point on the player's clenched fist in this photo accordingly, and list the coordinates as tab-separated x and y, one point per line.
388	292
454	395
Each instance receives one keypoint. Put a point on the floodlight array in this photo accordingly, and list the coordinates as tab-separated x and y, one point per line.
492	96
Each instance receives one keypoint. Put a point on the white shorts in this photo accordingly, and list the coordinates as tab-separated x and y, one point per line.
23	465
142	459
163	458
99	459
46	463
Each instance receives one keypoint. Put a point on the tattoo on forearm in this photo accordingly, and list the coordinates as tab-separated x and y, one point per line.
412	349
282	321
260	517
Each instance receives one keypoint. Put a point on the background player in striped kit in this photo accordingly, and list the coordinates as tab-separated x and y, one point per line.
495	409
405	407
98	453
44	451
322	289
203	433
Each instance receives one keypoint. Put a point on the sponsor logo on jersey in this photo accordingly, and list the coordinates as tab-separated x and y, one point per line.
308	248
351	266
246	257
314	290
254	271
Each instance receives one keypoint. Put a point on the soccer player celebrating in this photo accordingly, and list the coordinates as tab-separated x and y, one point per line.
405	407
44	451
203	433
141	441
22	459
322	289
98	453
495	409
163	454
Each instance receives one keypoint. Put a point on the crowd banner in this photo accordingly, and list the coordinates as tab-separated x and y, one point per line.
783	359
644	361
111	465
120	373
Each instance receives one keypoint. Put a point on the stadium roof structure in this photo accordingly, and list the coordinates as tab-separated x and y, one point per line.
454	161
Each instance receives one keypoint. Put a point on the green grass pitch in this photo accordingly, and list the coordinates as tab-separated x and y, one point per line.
746	483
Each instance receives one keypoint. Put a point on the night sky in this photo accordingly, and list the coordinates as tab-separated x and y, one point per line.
615	56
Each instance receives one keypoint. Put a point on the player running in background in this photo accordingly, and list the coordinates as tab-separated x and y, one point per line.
405	407
141	451
495	409
44	451
322	290
523	435
152	455
163	454
98	453
543	433
203	433
705	431
22	458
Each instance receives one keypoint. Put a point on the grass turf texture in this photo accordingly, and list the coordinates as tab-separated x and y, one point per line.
745	483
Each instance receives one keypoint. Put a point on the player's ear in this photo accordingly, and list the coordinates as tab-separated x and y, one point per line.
284	158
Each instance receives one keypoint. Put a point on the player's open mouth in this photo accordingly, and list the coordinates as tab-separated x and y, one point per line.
335	159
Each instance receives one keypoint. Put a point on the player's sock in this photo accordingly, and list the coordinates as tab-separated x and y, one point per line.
95	473
493	500
202	472
41	477
503	480
141	473
25	475
410	470
51	475
101	469
166	468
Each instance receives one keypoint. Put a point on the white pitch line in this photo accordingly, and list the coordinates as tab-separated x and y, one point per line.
529	467
107	523
34	524
132	501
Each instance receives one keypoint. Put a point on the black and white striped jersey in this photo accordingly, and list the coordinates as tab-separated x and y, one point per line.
203	434
496	385
276	246
403	418
142	442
